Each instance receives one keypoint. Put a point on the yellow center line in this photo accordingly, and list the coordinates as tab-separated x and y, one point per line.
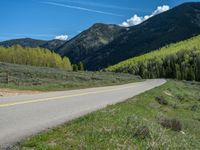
56	98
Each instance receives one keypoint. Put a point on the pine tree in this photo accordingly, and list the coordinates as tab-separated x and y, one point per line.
75	67
81	66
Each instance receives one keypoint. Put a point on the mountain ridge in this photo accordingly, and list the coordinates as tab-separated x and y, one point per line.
169	27
105	44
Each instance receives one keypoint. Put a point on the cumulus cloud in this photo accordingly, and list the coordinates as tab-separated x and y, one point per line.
62	37
135	20
160	9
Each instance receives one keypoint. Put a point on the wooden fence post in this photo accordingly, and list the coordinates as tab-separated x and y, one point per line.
7	78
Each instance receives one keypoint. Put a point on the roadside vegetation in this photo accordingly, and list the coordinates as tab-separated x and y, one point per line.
167	117
176	61
34	57
48	79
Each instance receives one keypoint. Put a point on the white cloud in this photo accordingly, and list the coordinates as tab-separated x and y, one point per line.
135	20
62	37
160	9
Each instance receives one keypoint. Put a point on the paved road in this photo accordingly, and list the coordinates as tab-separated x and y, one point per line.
22	116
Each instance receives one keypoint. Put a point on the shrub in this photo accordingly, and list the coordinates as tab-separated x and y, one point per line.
161	100
180	98
194	108
137	127
142	132
172	124
174	106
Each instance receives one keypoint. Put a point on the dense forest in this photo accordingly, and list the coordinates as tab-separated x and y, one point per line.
180	61
34	56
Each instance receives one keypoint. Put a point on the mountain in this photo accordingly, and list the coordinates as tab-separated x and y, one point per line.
53	44
103	45
175	25
80	47
89	42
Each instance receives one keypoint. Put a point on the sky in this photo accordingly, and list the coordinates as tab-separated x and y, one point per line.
64	19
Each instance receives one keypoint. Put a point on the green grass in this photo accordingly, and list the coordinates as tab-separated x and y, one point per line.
49	79
115	127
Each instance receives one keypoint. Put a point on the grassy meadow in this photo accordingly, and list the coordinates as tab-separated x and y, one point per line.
49	79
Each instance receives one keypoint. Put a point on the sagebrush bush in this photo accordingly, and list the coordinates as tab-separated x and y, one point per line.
173	124
161	100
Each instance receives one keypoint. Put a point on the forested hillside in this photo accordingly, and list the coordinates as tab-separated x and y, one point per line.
103	44
177	24
180	61
33	56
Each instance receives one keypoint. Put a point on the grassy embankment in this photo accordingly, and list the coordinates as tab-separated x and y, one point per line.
48	79
134	124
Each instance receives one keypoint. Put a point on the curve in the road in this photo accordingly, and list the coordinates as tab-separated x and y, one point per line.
23	116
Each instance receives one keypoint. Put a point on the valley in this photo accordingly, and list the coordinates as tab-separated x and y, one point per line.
130	85
103	44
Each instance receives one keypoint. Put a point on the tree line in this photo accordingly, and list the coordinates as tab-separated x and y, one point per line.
78	67
34	56
180	61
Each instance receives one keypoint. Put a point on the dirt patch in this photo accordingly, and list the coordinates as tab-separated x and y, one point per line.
14	92
168	93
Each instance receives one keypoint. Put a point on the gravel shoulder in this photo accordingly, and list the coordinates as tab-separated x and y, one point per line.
14	92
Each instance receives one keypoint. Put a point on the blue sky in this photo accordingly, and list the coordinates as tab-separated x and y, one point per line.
46	19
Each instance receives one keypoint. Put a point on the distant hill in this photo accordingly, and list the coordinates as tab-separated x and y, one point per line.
180	61
33	43
25	42
103	45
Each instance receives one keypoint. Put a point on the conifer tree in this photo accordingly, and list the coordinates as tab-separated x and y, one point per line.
81	66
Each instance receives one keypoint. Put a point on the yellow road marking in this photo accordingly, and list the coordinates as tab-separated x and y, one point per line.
56	98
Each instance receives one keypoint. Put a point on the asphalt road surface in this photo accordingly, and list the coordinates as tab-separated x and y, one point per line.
26	115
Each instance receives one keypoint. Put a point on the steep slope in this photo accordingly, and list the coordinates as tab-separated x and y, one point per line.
180	61
89	42
53	44
177	24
